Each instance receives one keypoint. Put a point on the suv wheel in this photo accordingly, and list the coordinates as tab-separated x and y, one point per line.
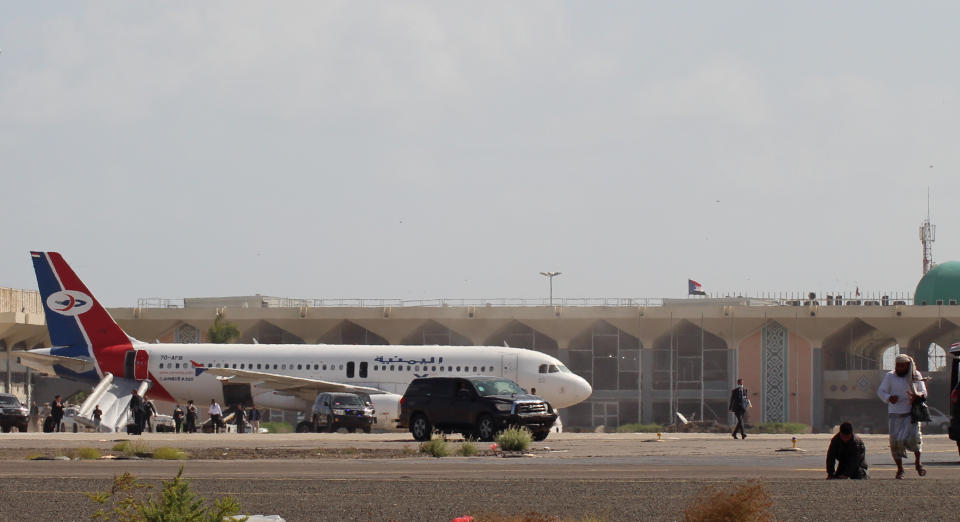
366	429
420	427
331	427
303	427
486	428
540	435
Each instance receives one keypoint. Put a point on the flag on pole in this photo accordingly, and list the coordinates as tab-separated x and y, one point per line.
694	288
858	290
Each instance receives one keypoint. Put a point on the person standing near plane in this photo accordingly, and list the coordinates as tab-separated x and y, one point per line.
254	418
136	409
56	412
35	415
149	410
216	415
900	388
240	418
191	417
177	419
97	416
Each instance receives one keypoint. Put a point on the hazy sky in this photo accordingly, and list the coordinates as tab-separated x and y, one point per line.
455	149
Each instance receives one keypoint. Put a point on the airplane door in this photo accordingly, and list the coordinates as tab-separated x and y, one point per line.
128	364
140	368
508	366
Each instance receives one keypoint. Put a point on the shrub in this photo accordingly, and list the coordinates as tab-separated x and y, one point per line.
636	427
168	453
514	439
781	427
130	448
277	427
467	449
86	454
177	501
436	447
745	503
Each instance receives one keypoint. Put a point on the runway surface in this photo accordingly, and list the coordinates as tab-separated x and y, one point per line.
610	476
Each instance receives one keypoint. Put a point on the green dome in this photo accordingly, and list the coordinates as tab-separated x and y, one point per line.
941	283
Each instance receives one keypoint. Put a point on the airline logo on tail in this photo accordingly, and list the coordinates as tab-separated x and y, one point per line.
69	302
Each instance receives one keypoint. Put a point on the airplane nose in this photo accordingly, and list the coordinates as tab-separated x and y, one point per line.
582	389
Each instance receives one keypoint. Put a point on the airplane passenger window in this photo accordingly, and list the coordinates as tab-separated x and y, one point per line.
543	368
160	366
177	365
474	369
433	368
316	366
234	366
241	366
274	366
218	365
391	367
483	368
341	366
416	368
458	368
449	368
209	365
441	368
299	366
376	367
408	368
283	366
258	366
324	366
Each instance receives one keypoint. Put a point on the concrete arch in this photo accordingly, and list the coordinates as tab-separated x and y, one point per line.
432	332
349	332
265	332
519	335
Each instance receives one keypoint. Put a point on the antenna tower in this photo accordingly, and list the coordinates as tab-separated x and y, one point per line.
928	234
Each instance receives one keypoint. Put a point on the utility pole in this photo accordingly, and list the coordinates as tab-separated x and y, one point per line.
550	276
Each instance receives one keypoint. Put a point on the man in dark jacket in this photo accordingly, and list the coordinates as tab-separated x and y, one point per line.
846	456
56	412
136	408
739	402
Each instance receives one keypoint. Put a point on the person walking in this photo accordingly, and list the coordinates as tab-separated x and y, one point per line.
900	388
846	455
35	415
136	409
254	418
56	413
216	415
178	419
97	416
240	418
191	417
149	410
739	402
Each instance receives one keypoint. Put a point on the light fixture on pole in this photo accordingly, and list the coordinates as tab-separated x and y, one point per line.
550	276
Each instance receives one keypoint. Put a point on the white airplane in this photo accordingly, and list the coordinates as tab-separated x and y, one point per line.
89	346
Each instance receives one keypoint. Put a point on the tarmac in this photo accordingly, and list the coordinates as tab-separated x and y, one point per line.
570	476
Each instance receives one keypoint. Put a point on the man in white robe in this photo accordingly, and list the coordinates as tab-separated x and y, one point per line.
899	389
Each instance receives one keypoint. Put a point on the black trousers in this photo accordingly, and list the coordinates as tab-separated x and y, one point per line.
739	426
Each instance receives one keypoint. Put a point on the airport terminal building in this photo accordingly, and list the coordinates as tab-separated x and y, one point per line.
815	361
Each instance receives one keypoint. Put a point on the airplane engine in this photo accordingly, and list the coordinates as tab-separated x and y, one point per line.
387	406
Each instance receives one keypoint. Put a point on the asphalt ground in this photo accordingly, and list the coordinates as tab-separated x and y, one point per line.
571	476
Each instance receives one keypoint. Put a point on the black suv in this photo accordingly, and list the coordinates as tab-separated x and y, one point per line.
332	411
12	413
477	407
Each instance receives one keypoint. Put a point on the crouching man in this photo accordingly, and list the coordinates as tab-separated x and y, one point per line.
846	456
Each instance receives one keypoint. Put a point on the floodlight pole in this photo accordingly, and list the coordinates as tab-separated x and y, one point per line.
550	276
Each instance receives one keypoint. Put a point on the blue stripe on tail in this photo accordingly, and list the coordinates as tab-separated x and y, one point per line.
65	333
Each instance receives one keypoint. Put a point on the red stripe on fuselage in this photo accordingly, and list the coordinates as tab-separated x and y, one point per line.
108	340
158	392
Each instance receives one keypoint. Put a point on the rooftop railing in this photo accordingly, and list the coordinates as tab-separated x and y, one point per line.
880	299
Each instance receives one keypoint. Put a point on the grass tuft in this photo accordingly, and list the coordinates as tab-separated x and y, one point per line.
467	449
514	439
168	453
744	503
435	447
131	448
85	454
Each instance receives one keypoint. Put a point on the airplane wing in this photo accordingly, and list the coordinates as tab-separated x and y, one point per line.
306	389
45	362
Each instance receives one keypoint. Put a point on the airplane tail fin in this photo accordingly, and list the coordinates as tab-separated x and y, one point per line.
79	326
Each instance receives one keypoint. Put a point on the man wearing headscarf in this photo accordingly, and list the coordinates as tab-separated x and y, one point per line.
899	389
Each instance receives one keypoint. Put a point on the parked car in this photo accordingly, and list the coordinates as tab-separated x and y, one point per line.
939	421
13	414
332	411
477	407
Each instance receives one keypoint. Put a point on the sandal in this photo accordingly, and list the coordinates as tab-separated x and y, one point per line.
899	475
922	471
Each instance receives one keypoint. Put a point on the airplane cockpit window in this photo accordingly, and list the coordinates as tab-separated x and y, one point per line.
563	369
554	369
543	368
